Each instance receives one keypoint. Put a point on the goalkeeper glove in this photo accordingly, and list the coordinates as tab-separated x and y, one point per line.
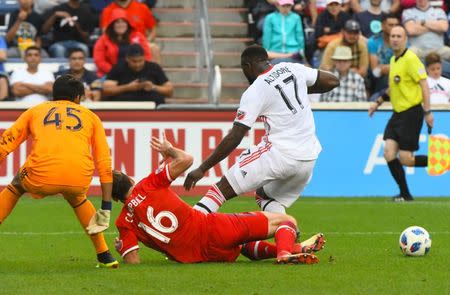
99	222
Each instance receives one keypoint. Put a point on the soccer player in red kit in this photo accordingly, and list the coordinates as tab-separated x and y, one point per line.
156	216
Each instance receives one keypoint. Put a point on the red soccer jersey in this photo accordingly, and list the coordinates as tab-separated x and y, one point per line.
157	217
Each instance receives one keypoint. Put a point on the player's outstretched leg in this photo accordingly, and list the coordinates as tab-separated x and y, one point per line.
8	200
215	197
260	250
84	210
285	237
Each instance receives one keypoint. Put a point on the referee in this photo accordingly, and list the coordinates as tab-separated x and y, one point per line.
410	97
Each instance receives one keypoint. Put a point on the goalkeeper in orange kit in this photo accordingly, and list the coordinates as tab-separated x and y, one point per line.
61	161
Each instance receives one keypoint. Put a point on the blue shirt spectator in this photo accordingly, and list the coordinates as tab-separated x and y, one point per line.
377	46
283	32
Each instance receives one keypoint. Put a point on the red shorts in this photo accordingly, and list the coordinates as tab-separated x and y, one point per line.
226	232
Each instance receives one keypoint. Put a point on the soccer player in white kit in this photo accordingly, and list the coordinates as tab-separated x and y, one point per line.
281	165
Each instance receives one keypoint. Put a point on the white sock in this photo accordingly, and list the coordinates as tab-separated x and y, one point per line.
271	205
211	202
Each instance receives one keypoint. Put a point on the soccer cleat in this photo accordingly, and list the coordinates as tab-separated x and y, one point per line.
301	258
313	244
400	198
106	260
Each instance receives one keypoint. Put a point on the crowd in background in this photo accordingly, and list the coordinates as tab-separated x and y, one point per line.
118	35
349	38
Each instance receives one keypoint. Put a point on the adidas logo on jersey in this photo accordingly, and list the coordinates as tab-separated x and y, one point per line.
244	173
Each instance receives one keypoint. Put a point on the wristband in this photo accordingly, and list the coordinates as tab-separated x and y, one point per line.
106	205
427	112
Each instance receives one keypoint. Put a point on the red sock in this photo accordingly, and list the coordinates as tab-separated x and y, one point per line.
285	237
297	248
259	250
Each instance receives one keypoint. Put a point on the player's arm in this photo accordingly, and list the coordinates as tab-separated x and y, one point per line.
225	147
325	82
100	221
12	137
181	160
379	101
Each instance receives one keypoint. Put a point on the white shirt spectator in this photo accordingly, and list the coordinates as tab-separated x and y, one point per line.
439	90
38	78
428	40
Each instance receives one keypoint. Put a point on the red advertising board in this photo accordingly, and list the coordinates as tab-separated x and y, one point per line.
129	132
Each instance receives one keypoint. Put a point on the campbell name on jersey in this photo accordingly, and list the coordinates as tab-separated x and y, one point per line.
279	97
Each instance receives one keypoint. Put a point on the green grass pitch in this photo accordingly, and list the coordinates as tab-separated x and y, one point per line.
44	251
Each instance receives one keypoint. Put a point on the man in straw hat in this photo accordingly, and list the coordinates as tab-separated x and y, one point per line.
351	86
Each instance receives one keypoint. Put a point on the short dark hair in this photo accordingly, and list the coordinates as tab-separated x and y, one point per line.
67	87
254	53
34	47
385	16
135	50
75	49
432	58
121	185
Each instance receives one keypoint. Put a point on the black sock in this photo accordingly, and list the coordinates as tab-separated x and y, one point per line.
421	161
398	173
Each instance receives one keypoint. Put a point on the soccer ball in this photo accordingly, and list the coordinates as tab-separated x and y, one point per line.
415	241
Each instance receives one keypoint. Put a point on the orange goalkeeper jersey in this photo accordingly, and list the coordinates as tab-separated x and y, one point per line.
64	134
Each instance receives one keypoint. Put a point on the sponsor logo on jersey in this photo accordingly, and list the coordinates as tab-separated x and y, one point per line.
244	173
240	115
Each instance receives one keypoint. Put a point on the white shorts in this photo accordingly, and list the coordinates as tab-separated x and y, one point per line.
282	178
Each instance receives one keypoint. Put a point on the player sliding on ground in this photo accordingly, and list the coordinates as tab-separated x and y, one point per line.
281	165
60	162
154	215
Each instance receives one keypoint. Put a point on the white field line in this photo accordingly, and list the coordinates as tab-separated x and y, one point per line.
66	233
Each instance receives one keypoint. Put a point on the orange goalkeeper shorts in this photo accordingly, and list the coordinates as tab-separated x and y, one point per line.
40	190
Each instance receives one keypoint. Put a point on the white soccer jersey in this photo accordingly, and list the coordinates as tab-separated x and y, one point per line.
439	90
279	97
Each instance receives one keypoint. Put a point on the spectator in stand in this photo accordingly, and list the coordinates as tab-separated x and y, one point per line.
351	84
259	9
72	23
97	7
32	84
111	47
137	79
283	35
316	7
350	38
426	27
439	86
141	18
387	6
370	19
4	93
330	23
24	29
77	60
380	53
44	6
